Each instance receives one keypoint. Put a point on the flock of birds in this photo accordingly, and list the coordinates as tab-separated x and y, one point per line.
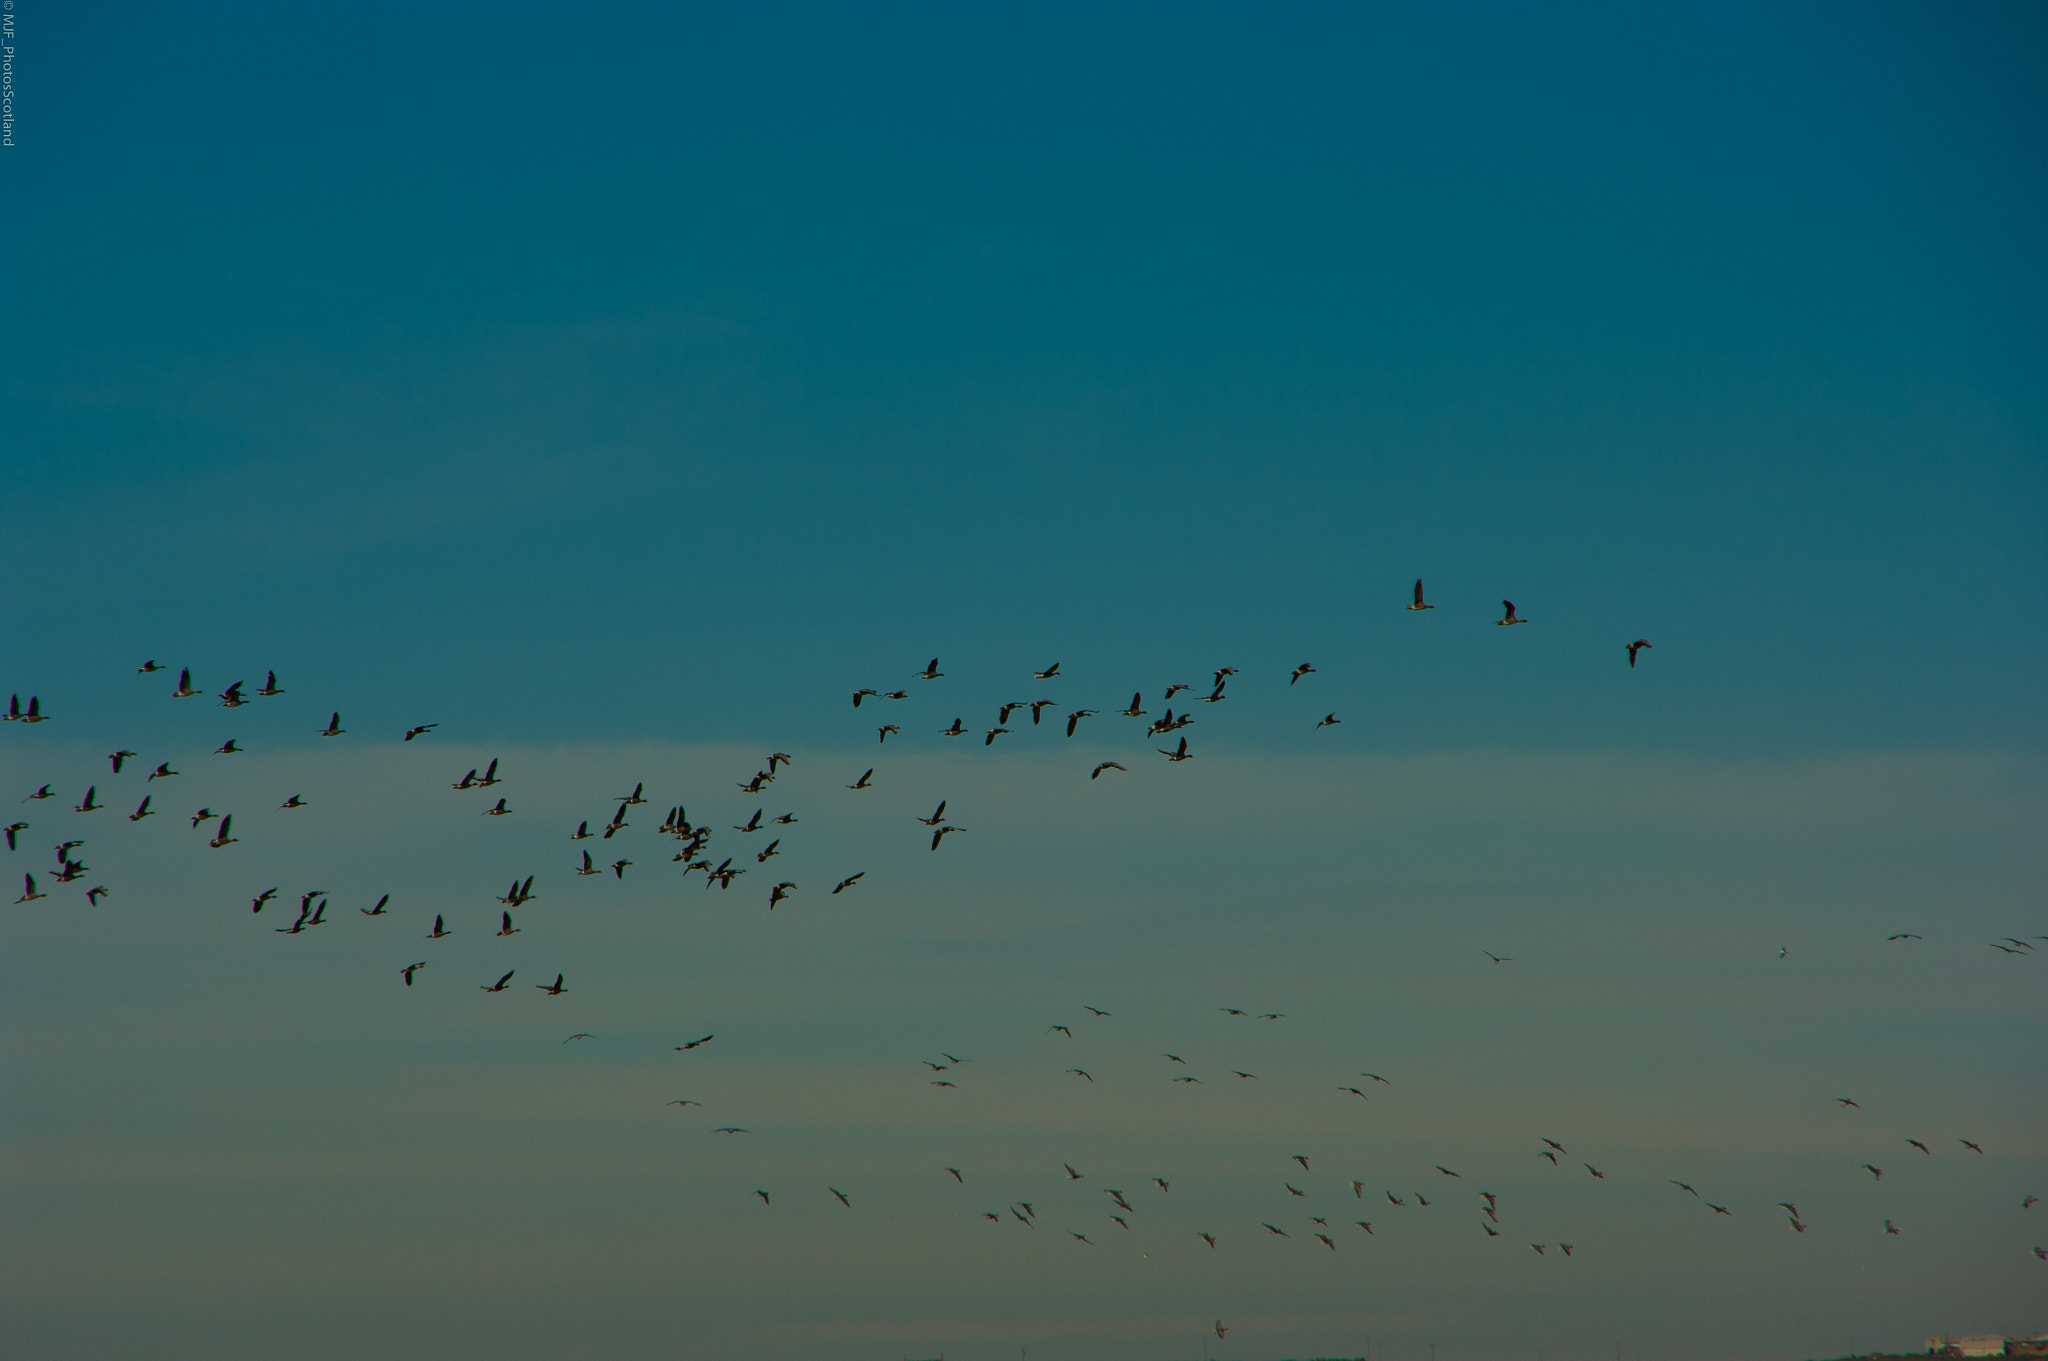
760	837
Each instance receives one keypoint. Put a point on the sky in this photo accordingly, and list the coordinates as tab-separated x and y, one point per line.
622	390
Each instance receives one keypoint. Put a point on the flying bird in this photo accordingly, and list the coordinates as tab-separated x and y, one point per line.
848	882
1922	1147
1419	605
411	969
1303	670
499	986
931	670
1329	721
142	811
694	1043
1074	719
1905	935
333	728
1633	648
1511	617
1111	765
554	989
225	838
862	782
1967	1144
1179	754
117	758
421	731
439	930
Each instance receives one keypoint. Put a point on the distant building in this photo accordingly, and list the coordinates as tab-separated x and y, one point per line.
1986	1344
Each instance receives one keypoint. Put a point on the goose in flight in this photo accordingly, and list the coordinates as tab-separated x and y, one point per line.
227	748
1876	1173
588	867
1072	1175
862	694
939	834
1181	753
993	733
1038	708
1905	935
256	903
694	1043
931	671
1096	774
378	910
203	815
270	685
882	733
1419	603
1303	1161
1074	719
1303	670
1210	1239
89	806
293	802
1498	959
554	989
1062	1029
842	1196
752	824
1888	1227
1511	617
1845	1101
162	772
957	730
508	929
1633	648
1004	711
1329	721
439	930
848	883
1096	1010
780	892
411	969
619	868
1282	1232
1595	1172
232	697
184	690
938	815
862	782
499	986
1683	1187
333	728
421	731
117	758
469	782
490	776
226	837
1967	1144
28	892
1922	1147
142	810
147	667
1137	709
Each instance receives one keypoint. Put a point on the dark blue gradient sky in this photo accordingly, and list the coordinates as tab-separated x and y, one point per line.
621	389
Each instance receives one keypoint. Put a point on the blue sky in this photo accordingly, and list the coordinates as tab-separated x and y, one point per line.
620	391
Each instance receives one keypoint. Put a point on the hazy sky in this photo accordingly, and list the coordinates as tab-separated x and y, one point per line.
620	390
